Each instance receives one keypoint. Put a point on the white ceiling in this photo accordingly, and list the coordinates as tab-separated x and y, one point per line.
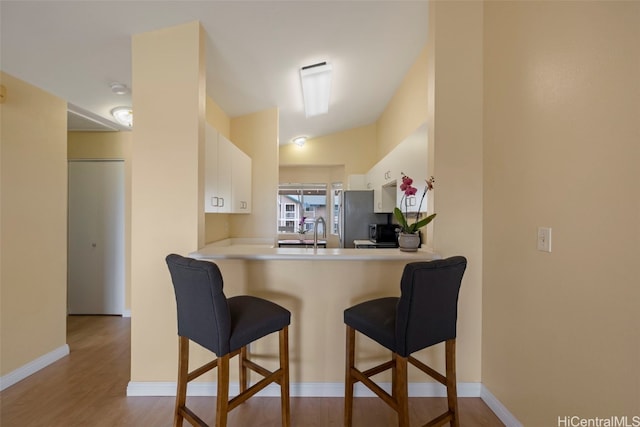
74	49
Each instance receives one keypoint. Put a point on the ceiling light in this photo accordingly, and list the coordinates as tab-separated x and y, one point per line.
300	140
123	115
119	88
316	87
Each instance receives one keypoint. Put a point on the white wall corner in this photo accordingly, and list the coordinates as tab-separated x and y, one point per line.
498	408
32	367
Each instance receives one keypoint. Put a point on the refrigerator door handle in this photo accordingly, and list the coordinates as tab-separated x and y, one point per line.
340	222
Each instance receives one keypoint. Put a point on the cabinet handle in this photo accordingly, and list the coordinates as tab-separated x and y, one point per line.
222	205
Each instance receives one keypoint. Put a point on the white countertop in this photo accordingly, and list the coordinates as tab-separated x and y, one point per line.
267	252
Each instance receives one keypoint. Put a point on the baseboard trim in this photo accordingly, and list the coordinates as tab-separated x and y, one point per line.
126	312
32	367
298	389
153	388
498	408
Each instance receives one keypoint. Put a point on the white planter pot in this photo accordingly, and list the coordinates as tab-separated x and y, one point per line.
409	242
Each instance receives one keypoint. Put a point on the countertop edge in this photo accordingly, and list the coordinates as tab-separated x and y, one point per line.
262	253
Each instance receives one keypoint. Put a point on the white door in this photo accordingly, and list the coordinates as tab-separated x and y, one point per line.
96	237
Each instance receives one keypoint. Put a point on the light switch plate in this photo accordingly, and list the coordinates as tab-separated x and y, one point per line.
544	239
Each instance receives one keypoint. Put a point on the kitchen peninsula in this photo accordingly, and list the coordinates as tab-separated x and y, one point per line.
316	286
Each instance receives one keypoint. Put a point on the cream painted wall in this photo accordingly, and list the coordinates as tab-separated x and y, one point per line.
33	256
99	145
407	110
353	148
217	118
455	52
109	145
257	135
316	293
311	174
168	181
562	149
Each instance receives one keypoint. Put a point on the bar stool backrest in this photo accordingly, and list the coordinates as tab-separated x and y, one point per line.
428	307
203	312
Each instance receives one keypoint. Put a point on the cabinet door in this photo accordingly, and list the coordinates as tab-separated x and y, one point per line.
241	182
225	156
374	182
211	171
391	167
383	180
227	176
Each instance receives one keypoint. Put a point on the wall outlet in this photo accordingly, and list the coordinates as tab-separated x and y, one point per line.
544	239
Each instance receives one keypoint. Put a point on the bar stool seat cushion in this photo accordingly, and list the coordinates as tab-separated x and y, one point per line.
253	318
376	319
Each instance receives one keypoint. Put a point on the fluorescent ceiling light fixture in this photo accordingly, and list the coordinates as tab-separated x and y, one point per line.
300	140
123	115
316	87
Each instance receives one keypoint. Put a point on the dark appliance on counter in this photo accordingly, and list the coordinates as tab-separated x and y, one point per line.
383	233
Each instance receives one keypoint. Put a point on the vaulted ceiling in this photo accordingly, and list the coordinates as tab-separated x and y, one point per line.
75	49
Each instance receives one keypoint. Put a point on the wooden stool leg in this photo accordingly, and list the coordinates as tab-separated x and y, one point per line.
183	371
394	374
348	380
452	393
244	378
401	390
284	381
222	401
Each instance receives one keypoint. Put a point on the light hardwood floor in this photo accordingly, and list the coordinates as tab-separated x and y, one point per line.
88	388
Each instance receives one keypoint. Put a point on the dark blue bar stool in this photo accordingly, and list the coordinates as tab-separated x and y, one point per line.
424	315
226	327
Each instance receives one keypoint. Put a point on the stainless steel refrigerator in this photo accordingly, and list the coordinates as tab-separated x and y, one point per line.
356	213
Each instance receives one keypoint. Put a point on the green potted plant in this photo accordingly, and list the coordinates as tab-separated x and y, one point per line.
409	239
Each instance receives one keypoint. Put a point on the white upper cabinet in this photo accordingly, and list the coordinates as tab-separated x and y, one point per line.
227	176
241	182
375	184
214	199
408	158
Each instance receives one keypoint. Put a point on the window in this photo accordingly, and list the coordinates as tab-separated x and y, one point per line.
298	201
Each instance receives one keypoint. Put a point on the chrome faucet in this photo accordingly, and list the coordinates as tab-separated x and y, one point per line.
315	231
